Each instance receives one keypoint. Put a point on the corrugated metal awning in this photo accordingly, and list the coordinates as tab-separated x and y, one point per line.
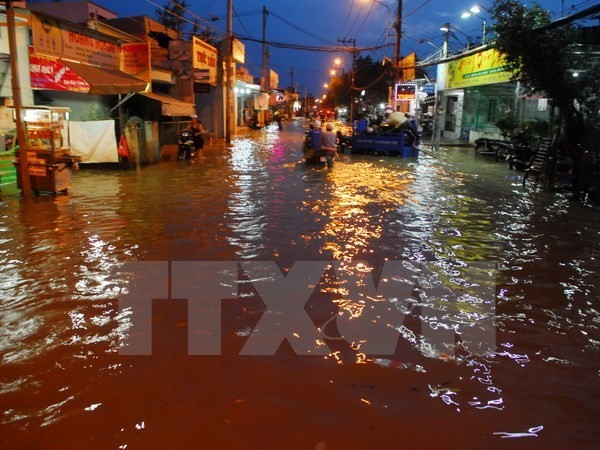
170	105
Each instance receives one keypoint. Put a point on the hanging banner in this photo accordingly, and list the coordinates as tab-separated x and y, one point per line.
52	74
68	41
485	67
204	60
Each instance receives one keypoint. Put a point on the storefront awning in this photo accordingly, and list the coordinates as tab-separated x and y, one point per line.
170	105
106	81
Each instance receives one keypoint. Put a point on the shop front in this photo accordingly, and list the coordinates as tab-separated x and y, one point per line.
92	74
245	94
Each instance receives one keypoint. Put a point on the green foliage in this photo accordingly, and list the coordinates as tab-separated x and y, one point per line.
172	15
539	59
536	128
550	61
507	125
96	112
368	75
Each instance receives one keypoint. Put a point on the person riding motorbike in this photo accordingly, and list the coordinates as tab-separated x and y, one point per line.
277	118
197	129
329	144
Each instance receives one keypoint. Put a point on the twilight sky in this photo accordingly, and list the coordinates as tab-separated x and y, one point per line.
320	23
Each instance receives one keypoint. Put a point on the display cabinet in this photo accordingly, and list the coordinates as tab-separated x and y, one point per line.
48	150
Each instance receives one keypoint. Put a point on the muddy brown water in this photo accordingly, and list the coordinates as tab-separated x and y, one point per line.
516	267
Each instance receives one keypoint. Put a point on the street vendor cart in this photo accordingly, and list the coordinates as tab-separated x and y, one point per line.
48	150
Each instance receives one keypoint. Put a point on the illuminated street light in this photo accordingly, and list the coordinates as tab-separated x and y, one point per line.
325	85
474	11
448	30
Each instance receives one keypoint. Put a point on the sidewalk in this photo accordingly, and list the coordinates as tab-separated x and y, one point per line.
447	142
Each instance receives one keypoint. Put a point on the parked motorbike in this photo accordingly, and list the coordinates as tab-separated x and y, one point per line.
427	126
185	143
520	156
499	148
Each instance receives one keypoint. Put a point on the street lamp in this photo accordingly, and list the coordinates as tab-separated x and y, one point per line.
446	29
474	11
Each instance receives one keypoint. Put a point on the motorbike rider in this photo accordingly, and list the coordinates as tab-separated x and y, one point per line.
329	144
197	129
277	117
411	129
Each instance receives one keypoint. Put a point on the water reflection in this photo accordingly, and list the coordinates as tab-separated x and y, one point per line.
431	253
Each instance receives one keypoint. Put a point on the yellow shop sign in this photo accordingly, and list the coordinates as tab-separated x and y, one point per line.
486	67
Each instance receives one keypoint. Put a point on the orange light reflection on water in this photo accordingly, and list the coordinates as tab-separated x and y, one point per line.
350	226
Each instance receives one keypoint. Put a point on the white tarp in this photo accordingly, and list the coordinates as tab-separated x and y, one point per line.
94	141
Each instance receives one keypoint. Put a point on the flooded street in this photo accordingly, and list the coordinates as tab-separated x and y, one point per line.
490	290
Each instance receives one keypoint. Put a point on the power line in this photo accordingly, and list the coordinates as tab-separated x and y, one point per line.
308	33
312	48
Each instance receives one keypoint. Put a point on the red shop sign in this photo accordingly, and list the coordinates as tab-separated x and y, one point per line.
54	75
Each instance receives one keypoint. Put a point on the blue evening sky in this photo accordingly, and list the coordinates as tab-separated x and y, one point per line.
322	22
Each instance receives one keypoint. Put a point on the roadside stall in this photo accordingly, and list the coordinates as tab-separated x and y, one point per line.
50	161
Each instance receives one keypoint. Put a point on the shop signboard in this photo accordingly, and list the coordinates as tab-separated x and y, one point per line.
204	60
261	101
71	42
239	51
134	59
407	67
406	91
485	67
52	74
273	79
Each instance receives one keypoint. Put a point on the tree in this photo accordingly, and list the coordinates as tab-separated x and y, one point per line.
172	15
368	75
552	60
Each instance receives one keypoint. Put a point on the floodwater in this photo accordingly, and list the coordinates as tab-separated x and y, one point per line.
489	291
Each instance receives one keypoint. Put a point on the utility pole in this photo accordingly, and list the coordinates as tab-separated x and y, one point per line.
265	82
353	42
16	88
435	129
228	71
397	77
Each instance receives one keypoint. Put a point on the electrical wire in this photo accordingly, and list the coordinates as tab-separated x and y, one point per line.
308	33
312	48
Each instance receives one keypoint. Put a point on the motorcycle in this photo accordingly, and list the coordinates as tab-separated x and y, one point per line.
427	126
503	149
499	148
185	145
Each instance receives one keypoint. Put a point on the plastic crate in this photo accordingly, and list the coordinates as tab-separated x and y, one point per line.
8	172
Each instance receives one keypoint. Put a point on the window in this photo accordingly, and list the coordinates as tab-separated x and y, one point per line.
492	110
